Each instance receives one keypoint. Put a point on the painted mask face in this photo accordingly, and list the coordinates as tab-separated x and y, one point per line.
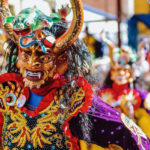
37	67
37	61
121	75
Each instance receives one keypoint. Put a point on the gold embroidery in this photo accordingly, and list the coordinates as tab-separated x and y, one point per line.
136	130
10	88
3	92
45	130
89	146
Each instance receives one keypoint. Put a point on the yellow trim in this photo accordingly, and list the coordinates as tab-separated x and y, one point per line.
88	146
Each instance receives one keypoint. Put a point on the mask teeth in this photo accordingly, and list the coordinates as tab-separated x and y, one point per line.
33	74
39	75
26	73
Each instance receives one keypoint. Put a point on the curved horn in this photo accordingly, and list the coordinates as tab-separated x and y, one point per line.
109	44
141	49
7	27
141	45
69	37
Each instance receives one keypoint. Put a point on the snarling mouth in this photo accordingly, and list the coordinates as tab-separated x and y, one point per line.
33	75
23	32
76	104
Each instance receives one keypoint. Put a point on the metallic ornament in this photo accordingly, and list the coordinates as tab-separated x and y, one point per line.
133	127
21	101
63	104
10	99
1	104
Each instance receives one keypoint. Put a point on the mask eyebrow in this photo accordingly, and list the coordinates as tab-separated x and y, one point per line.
27	52
40	53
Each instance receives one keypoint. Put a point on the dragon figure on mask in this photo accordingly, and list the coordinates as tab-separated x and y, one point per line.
46	101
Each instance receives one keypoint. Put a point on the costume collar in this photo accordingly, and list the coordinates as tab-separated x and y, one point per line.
41	91
119	88
51	85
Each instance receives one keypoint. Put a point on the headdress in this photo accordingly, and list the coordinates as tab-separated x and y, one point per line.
64	12
123	56
18	28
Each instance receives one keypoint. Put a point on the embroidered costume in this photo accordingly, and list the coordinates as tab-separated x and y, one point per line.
49	126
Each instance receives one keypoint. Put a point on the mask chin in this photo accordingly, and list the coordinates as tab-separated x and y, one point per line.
33	84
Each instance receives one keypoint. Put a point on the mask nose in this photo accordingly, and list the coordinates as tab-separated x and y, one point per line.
34	63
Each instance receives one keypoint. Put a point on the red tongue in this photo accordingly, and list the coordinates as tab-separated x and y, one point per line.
35	78
22	32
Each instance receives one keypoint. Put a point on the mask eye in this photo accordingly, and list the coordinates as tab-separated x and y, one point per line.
46	59
21	26
27	23
28	52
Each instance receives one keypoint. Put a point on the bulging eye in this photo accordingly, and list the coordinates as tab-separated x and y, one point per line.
27	23
45	59
21	26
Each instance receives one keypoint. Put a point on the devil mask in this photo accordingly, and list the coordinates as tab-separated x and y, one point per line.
41	54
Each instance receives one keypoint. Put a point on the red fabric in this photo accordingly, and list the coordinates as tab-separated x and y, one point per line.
119	88
116	90
45	102
108	90
51	85
14	77
136	94
148	59
11	77
49	90
88	101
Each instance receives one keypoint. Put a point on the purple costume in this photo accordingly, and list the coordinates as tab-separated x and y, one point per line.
106	126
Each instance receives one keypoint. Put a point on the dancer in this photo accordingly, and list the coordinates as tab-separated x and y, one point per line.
45	100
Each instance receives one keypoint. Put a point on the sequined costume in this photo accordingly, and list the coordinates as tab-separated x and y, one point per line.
50	127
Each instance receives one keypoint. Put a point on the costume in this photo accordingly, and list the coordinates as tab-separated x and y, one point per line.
132	101
22	126
46	104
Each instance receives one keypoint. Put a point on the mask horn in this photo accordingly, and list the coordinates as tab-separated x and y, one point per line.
110	45
70	36
7	27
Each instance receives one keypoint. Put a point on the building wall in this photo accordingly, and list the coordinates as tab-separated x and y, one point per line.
142	6
110	6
